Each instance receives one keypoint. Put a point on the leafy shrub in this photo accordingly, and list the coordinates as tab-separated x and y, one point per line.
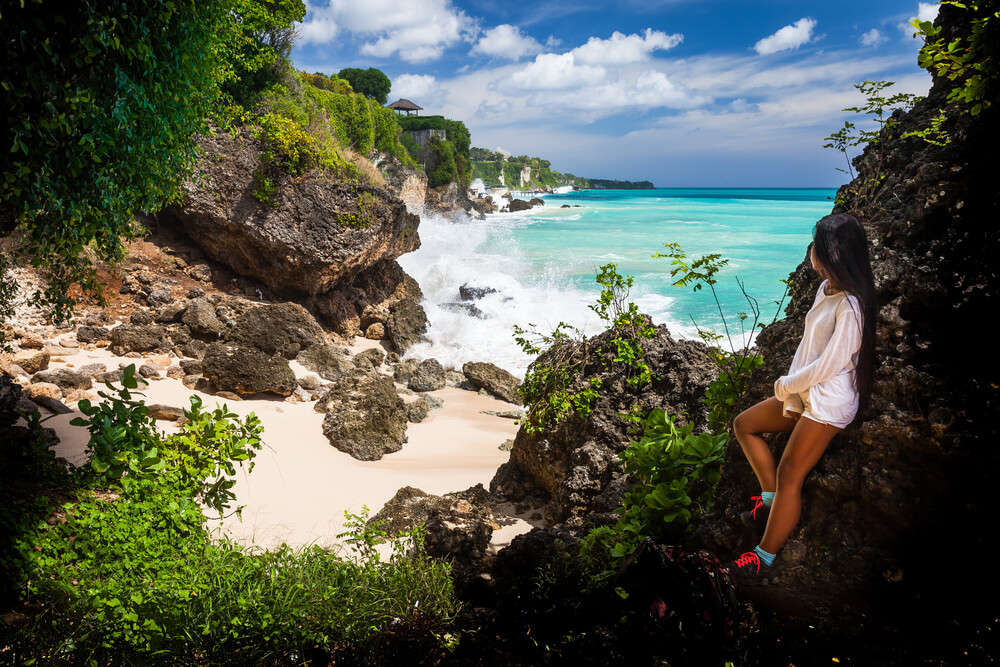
442	156
332	83
554	386
370	82
99	126
127	572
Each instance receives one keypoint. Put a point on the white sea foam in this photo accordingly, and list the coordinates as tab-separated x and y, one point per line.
484	253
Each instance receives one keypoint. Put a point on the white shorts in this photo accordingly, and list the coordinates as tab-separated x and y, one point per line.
834	402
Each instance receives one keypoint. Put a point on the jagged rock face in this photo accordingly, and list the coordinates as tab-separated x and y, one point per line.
405	182
247	371
384	294
916	471
10	395
279	328
138	338
308	240
449	199
574	465
364	416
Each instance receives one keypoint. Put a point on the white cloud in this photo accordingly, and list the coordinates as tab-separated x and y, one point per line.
790	37
873	37
413	86
927	11
506	41
418	30
554	71
621	49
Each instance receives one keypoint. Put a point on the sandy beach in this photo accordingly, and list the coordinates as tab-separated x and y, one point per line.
301	485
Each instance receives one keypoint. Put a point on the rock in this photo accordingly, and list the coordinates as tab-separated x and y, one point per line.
137	338
149	371
247	371
518	205
31	341
405	323
375	331
194	348
493	379
92	370
536	201
404	370
506	445
201	318
370	358
164	412
159	297
10	397
32	362
91	334
229	395
196	292
277	328
64	378
468	308
140	317
574	461
202	272
113	376
309	382
175	372
565	206
364	416
427	376
195	382
458	526
317	234
327	361
404	182
14	371
504	414
69	342
416	411
169	314
469	292
52	404
455	378
191	366
36	390
433	402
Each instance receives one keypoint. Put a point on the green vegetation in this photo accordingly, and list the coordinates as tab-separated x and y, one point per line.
554	385
99	127
489	165
445	161
607	184
124	570
370	82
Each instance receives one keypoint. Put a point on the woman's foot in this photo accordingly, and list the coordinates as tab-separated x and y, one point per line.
749	570
757	517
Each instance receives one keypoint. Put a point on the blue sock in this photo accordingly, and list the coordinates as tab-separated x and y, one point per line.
765	557
767	497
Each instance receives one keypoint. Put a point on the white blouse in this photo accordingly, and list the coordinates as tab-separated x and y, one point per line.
821	379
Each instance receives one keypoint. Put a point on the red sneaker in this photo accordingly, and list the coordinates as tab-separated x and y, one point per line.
748	569
756	517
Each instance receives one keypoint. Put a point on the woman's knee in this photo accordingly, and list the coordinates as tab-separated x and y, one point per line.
741	424
790	475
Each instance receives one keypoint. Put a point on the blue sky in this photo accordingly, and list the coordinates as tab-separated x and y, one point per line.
680	92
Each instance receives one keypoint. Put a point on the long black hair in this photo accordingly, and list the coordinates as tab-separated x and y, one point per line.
840	245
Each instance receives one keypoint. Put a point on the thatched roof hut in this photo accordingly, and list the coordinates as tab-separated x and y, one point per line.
403	104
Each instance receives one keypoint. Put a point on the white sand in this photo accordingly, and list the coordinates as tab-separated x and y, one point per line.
301	485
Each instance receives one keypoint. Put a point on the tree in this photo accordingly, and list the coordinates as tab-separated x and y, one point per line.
255	45
371	82
102	101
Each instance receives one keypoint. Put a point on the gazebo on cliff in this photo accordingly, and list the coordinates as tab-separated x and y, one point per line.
403	104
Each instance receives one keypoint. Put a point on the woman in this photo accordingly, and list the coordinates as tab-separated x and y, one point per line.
826	388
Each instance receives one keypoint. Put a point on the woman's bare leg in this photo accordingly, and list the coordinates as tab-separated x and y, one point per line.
764	417
805	446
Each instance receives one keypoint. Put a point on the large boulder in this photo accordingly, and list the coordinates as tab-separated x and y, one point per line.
64	378
518	205
138	338
316	233
493	379
404	182
246	371
364	416
919	469
202	320
427	376
277	328
573	466
326	360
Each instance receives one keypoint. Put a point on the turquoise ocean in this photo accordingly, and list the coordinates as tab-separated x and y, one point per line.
542	262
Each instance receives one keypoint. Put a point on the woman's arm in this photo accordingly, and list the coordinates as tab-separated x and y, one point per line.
843	344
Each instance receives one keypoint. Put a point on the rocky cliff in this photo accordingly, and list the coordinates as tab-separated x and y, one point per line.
329	242
916	476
